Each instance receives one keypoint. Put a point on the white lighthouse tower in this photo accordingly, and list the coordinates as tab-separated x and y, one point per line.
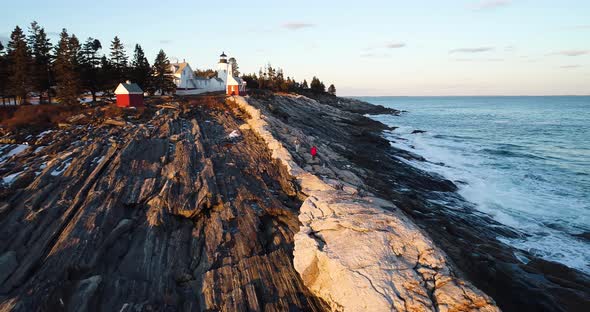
222	68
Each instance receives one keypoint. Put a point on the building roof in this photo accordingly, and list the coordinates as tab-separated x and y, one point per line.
179	67
223	54
128	88
233	81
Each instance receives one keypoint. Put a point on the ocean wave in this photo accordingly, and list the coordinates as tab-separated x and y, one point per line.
508	153
490	180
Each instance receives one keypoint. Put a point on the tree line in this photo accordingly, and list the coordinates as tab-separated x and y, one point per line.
30	64
273	79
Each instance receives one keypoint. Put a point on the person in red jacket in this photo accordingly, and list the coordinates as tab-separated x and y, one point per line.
314	152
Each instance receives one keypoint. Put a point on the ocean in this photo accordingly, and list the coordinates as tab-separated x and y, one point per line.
523	160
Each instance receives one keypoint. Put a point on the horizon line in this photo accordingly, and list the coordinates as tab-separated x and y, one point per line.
546	95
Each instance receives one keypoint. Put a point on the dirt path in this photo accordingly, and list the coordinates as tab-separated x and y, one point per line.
167	215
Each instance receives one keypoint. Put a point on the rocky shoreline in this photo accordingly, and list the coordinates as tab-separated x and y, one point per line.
208	204
348	140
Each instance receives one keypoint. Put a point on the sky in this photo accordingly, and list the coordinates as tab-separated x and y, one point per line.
390	47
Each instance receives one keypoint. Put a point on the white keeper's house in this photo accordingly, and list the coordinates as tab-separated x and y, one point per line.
188	83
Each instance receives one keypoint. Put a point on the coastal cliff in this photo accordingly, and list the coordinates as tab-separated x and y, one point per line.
358	252
347	140
212	204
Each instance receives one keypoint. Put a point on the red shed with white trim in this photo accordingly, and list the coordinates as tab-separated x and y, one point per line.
129	95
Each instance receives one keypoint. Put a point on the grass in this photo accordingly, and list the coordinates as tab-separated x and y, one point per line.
36	117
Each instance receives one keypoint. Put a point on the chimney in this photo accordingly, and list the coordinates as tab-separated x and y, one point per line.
183	60
128	81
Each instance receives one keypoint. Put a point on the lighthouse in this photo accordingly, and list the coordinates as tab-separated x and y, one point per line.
222	68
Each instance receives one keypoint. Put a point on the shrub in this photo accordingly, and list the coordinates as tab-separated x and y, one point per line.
36	117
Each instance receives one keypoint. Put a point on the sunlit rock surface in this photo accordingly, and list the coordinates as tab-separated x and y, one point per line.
359	257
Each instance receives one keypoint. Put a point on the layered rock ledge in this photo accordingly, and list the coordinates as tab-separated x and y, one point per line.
354	157
183	209
359	256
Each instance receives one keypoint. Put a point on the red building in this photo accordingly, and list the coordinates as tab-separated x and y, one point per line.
234	85
129	95
233	89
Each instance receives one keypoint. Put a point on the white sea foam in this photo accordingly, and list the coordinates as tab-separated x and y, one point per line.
527	205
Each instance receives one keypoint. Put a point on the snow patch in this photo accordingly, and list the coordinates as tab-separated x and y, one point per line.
15	151
10	178
61	168
234	134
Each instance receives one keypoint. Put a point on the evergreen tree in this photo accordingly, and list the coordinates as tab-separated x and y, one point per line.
205	73
332	89
19	63
40	48
105	76
90	67
234	66
3	71
304	84
76	51
251	81
162	81
317	86
118	61
65	66
141	71
89	52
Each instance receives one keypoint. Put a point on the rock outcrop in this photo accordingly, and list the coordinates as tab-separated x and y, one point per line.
357	256
162	214
354	158
205	205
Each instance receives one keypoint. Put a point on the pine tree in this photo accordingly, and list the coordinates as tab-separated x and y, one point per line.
162	74
65	66
234	66
251	81
141	71
19	65
105	76
332	89
76	51
40	48
90	66
317	86
118	61
304	84
3	71
89	52
205	73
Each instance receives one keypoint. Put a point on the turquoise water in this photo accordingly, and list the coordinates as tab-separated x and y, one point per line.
523	160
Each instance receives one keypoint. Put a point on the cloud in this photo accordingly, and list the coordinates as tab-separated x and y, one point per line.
571	66
395	45
572	52
297	25
491	4
479	60
472	50
165	41
375	55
